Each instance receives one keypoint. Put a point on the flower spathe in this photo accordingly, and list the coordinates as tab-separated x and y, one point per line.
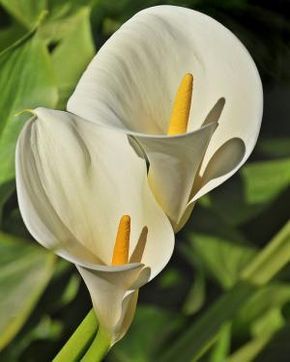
75	182
131	85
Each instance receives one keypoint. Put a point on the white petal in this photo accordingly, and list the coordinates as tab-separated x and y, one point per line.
174	164
132	81
75	180
222	164
38	213
114	296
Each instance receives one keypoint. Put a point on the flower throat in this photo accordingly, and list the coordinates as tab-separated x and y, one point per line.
177	125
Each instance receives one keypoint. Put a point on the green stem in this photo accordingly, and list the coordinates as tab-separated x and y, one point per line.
99	348
78	343
270	260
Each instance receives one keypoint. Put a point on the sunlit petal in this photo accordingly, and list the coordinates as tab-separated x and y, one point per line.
132	82
74	182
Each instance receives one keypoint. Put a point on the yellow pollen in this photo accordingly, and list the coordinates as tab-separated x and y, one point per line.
121	247
181	107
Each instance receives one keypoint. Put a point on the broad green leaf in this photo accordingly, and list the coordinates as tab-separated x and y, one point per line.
251	191
69	36
25	270
223	259
10	35
26	12
51	321
26	81
12	222
73	53
263	181
200	336
46	329
63	8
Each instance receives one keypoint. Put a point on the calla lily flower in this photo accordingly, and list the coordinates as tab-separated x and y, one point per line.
76	183
185	91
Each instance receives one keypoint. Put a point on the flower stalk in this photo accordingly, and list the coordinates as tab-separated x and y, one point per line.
99	347
79	342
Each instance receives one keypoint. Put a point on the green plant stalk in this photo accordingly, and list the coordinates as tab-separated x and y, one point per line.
250	350
99	348
204	331
270	260
78	343
222	346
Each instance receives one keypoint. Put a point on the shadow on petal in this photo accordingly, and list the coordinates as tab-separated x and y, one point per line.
215	113
220	167
137	254
128	311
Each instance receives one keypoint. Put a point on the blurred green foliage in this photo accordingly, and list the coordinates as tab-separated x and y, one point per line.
199	307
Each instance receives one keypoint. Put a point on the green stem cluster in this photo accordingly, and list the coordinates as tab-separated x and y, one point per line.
88	343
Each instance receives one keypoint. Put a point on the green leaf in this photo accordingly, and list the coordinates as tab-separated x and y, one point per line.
73	47
170	279
26	81
10	35
196	295
251	191
223	259
68	63
45	329
25	270
59	9
70	291
26	12
200	336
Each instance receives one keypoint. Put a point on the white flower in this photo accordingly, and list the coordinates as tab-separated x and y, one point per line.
75	182
131	85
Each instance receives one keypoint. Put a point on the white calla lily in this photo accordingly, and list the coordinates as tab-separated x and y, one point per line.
131	85
74	183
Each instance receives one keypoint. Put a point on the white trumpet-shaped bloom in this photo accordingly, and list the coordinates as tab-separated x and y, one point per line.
74	183
131	85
